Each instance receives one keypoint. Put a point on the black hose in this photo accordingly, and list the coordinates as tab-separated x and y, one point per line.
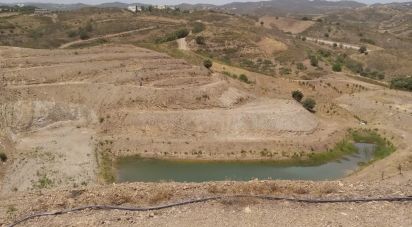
193	201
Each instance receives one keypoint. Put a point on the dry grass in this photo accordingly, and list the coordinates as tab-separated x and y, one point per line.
287	24
160	195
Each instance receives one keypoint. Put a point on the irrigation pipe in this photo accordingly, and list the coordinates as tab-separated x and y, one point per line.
194	201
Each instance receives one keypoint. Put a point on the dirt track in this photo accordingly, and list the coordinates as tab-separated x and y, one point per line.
77	42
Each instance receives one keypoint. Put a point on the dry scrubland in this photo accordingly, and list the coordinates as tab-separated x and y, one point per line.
65	114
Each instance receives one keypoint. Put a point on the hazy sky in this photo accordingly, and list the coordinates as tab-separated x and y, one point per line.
166	2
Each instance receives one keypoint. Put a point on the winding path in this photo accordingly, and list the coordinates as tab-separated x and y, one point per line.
66	45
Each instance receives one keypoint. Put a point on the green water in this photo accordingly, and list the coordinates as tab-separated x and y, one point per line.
152	170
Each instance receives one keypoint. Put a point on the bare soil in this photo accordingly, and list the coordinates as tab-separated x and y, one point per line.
57	106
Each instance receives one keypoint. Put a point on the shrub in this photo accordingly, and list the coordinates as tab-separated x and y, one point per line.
337	67
84	35
314	61
244	78
181	33
200	40
404	83
297	95
309	104
208	63
285	71
363	49
3	156
198	27
300	66
72	34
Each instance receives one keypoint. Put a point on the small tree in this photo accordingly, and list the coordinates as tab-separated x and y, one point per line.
182	33
297	95
314	61
262	23
309	104
337	67
363	49
208	63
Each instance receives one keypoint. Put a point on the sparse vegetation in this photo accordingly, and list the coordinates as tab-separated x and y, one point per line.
363	49
178	34
207	63
402	83
3	156
44	182
309	104
200	40
297	95
314	61
337	67
198	27
244	78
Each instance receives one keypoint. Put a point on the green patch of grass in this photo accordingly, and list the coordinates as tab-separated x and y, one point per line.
383	148
44	182
105	161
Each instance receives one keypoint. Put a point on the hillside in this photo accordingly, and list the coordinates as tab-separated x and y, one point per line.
313	92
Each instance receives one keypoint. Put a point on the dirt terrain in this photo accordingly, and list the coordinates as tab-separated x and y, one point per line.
138	101
286	24
66	114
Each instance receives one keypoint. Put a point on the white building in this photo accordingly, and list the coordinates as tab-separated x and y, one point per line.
135	8
160	7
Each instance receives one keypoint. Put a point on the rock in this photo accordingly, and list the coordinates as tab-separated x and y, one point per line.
247	210
151	215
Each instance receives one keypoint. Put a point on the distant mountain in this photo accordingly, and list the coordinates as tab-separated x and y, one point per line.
290	6
63	7
186	6
263	7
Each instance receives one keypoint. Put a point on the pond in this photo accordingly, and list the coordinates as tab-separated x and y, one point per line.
133	169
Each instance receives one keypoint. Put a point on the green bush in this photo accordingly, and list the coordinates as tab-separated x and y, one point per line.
309	104
244	78
3	156
208	63
181	33
300	66
402	83
337	67
83	35
198	27
314	61
297	95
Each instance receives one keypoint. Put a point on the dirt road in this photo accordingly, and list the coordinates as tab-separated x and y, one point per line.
66	45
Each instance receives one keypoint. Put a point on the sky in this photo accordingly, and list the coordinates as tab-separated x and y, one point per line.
166	2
